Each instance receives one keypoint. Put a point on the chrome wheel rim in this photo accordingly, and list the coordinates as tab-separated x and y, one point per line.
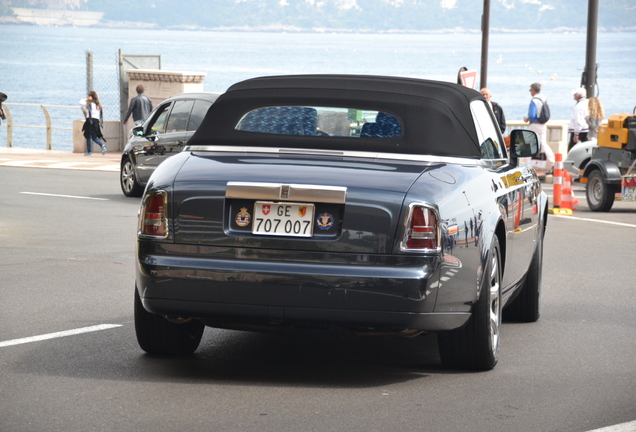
127	176
495	309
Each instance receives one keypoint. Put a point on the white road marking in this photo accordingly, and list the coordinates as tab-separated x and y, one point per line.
578	197
65	196
59	334
24	163
51	164
114	167
70	164
623	427
597	220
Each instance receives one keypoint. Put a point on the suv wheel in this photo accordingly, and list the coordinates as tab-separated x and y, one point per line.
128	180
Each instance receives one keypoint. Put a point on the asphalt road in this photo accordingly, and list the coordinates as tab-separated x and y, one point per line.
68	263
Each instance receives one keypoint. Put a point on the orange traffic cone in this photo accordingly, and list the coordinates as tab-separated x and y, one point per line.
567	199
561	206
557	180
574	200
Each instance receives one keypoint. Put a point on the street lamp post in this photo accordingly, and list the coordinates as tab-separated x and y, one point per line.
589	76
485	31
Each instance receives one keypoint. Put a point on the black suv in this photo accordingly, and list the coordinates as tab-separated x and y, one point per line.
163	134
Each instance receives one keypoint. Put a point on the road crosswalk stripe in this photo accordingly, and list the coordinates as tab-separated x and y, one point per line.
94	166
23	163
70	164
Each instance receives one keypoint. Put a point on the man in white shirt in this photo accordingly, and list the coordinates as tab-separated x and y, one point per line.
578	127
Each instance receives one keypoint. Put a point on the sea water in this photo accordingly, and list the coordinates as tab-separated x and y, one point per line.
47	65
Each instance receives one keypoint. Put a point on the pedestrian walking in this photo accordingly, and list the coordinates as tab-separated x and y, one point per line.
497	110
140	107
94	122
538	115
578	127
595	117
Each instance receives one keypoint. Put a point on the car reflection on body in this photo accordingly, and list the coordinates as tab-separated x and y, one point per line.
375	203
163	134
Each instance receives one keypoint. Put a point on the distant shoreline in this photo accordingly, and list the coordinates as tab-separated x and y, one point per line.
133	25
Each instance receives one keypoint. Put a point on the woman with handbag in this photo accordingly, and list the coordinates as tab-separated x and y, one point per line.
94	122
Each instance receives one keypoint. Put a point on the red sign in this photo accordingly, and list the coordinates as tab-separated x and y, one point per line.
469	78
266	209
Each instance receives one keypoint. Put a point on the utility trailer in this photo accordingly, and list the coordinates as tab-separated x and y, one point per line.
611	174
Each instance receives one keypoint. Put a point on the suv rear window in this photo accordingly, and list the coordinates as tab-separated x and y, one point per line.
321	121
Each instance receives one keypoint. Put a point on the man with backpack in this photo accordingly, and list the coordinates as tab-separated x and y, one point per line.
538	116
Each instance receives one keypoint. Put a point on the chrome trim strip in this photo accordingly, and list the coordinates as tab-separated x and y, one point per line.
359	154
286	192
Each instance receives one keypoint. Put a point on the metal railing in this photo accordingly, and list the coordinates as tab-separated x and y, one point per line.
49	127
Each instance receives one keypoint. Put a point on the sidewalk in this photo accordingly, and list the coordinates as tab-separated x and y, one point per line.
58	159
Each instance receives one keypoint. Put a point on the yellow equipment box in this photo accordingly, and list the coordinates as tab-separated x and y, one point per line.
619	132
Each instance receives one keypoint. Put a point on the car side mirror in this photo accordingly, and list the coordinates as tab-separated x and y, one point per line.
524	143
138	131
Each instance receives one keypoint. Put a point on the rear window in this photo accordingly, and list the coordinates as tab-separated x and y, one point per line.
321	121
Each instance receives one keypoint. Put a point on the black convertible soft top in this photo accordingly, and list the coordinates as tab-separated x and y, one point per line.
436	115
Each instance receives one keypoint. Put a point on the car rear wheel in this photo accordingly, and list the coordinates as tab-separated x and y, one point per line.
600	195
476	345
128	180
158	335
525	307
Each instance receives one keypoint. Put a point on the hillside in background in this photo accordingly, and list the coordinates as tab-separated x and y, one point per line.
349	15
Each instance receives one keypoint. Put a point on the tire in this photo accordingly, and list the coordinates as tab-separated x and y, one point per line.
475	346
158	335
600	195
525	307
128	180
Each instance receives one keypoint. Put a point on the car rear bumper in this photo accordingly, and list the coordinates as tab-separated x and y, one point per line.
292	287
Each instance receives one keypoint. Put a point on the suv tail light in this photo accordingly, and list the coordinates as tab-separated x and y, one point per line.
153	217
422	231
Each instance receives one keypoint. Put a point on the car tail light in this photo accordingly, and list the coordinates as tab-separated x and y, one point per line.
422	231
154	216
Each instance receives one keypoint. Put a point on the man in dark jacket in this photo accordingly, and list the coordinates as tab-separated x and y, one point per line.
496	109
140	106
3	97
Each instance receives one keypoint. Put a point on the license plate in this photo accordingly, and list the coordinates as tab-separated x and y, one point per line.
629	194
283	219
